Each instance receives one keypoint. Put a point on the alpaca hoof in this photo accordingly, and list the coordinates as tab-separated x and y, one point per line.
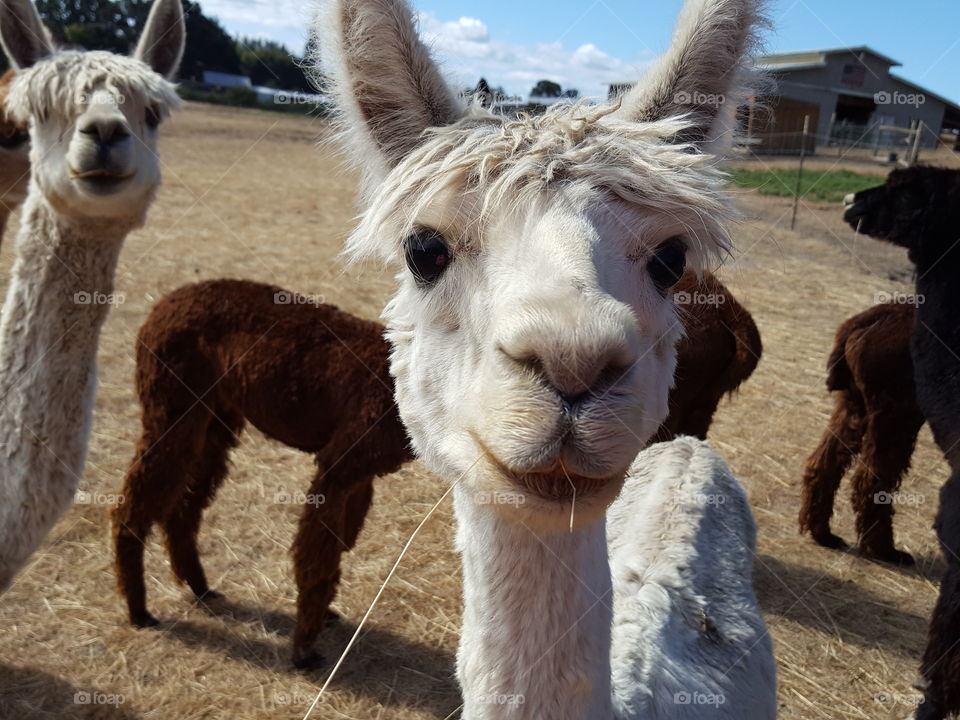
332	618
308	660
829	540
210	595
889	555
144	621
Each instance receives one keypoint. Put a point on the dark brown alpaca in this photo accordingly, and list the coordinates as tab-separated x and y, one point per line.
919	209
719	352
875	416
214	355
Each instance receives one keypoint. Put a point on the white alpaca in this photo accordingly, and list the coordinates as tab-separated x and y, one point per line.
93	120
533	349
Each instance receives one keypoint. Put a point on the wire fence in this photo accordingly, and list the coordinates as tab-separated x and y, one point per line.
884	143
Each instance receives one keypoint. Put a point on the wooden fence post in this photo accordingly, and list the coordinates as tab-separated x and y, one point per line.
803	154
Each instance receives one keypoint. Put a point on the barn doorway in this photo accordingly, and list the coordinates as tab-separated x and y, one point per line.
854	110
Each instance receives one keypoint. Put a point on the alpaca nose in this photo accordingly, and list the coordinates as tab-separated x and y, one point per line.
590	350
105	130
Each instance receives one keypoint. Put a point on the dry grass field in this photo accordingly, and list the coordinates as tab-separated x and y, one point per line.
247	194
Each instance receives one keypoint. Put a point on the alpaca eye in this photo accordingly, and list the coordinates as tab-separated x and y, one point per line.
152	117
14	140
427	256
667	265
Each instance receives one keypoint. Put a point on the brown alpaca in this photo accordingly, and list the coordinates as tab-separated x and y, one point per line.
876	416
214	355
720	350
14	157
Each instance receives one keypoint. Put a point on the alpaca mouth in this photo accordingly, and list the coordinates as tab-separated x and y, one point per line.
557	483
100	178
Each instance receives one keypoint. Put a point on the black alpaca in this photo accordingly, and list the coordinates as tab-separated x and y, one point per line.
919	209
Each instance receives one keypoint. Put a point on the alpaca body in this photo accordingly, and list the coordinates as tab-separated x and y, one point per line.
919	209
935	347
93	119
685	643
689	641
875	417
719	350
289	368
48	347
216	355
534	334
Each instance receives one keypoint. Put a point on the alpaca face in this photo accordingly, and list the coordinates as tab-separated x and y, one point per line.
534	352
14	154
917	208
93	116
533	330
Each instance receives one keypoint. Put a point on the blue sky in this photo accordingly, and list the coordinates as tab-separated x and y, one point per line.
587	43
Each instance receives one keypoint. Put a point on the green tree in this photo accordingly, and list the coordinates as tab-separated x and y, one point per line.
209	47
269	63
546	88
115	25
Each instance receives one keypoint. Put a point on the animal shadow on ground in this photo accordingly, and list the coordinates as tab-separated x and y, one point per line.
840	608
28	694
391	670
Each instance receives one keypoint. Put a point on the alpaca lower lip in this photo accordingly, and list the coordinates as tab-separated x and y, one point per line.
100	178
558	483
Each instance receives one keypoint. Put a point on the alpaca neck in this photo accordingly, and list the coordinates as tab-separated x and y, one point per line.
535	641
57	301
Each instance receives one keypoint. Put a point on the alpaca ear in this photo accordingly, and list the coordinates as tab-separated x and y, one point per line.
164	38
387	88
703	75
24	37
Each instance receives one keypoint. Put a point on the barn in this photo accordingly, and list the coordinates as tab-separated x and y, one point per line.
853	98
849	98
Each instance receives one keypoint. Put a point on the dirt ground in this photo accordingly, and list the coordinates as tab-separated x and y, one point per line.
248	194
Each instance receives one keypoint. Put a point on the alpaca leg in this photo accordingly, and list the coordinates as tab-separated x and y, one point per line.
182	524
941	660
327	530
827	466
887	447
156	478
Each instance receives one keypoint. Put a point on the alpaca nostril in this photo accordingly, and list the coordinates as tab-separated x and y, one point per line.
573	379
105	131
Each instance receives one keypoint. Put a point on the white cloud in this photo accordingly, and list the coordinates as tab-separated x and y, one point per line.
464	46
468	52
278	14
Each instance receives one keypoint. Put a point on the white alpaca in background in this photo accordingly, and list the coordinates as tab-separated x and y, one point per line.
533	348
93	120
